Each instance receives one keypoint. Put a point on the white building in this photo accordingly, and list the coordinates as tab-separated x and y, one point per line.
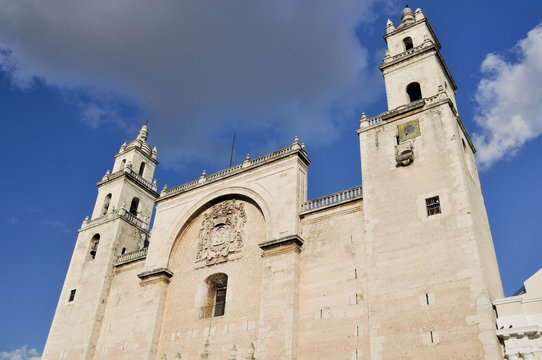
241	266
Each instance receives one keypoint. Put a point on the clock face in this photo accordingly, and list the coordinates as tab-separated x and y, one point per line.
409	130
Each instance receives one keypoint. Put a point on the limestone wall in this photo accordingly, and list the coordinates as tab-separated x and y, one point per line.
332	289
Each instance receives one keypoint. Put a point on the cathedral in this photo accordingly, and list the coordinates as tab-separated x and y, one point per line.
241	265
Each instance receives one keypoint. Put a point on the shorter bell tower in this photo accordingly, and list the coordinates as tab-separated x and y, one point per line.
119	224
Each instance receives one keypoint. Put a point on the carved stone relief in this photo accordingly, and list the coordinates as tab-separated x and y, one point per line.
220	237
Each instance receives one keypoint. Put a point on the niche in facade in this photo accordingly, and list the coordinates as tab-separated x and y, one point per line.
214	303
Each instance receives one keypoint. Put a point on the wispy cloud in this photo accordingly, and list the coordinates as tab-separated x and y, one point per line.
510	101
15	221
57	225
197	69
23	353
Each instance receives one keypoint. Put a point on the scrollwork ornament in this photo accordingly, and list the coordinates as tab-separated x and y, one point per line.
221	232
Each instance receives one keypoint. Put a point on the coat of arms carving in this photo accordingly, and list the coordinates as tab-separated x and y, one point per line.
220	237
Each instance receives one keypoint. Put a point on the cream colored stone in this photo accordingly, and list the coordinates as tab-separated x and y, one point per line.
351	275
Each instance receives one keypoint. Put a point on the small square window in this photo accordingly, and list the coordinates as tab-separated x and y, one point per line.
72	295
433	205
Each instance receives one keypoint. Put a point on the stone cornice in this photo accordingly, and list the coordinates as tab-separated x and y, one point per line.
159	274
139	151
417	51
286	243
248	164
410	109
136	178
520	331
403	27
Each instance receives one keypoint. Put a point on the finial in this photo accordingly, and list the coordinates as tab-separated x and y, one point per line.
147	122
247	161
303	147
106	176
389	26
296	140
86	220
123	147
143	133
164	190
407	16
204	173
154	152
363	117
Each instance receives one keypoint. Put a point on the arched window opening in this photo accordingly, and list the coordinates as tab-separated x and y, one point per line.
123	251
134	205
141	168
94	245
122	165
414	91
464	145
408	43
215	300
107	200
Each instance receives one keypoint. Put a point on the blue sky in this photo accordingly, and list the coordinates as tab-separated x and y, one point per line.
78	79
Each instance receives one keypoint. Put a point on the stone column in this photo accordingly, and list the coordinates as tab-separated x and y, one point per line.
149	313
277	333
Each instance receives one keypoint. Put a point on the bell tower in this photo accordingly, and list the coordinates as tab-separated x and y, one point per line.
432	270
118	225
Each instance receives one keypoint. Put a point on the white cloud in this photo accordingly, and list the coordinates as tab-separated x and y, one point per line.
510	101
196	68
20	354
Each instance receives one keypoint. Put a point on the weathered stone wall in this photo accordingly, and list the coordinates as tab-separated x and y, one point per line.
429	269
332	288
115	340
188	322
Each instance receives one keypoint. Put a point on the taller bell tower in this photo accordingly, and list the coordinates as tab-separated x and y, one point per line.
432	270
118	225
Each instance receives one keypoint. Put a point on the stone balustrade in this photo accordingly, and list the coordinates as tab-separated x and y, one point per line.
426	44
332	200
133	219
133	175
247	164
380	118
114	214
132	256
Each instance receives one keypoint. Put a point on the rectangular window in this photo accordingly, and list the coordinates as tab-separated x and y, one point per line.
72	295
433	205
220	302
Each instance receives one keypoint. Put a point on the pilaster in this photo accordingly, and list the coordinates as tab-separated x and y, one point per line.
279	307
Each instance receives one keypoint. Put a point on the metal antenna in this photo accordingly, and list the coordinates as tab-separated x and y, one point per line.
232	145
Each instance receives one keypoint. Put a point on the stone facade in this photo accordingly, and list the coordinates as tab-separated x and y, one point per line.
519	321
241	266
